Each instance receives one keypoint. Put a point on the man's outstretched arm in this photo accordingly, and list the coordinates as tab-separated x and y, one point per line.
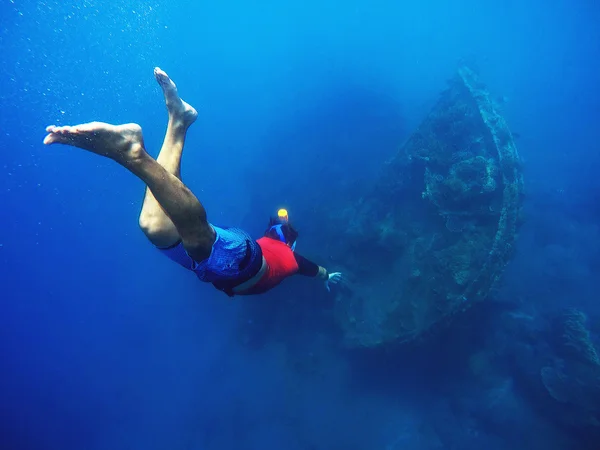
310	269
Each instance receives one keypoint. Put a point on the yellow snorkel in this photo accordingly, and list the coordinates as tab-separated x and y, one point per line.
282	215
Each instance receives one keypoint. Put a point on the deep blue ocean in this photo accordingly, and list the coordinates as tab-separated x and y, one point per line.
106	344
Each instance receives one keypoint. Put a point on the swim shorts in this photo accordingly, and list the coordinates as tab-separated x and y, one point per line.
235	257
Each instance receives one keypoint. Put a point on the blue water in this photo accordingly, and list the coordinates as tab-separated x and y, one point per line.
105	344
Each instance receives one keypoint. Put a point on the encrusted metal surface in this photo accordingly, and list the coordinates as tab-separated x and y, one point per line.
434	235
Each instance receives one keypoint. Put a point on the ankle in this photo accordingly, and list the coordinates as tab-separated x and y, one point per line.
135	155
178	124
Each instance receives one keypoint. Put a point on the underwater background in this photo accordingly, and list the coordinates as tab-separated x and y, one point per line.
107	344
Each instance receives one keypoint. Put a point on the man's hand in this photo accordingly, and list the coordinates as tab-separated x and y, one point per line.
333	278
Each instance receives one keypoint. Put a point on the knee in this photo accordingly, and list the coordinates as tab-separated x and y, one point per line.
148	224
158	232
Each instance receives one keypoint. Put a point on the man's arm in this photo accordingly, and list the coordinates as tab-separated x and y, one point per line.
309	268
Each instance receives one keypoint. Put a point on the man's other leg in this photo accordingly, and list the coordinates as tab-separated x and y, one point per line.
155	223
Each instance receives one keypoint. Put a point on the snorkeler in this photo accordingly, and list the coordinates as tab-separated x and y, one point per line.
175	221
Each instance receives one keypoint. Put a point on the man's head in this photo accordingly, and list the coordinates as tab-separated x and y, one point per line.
281	229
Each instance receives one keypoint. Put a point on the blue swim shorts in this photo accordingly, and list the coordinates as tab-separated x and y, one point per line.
235	257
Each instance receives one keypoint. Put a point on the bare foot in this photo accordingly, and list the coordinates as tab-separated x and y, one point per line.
123	143
179	111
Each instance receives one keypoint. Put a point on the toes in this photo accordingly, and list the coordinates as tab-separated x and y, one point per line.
163	79
161	76
55	137
52	135
49	139
60	135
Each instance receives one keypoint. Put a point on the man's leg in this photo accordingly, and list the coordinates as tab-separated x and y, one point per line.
125	145
155	223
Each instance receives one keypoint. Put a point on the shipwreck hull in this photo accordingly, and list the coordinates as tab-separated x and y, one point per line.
434	235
